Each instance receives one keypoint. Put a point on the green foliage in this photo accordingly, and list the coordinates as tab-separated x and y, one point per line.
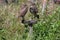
48	28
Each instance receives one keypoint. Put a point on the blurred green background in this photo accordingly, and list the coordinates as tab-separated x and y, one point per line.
48	28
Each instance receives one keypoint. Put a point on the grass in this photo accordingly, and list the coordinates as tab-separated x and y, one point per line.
48	28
